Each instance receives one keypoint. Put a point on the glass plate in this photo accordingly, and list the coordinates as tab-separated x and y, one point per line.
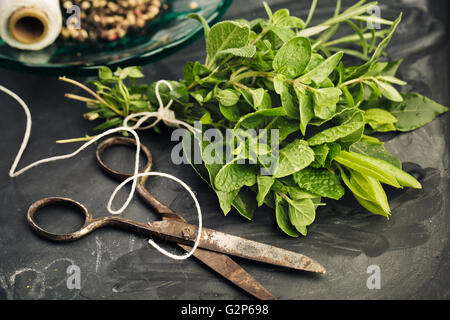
167	34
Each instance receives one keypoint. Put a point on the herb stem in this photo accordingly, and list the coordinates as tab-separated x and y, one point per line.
92	93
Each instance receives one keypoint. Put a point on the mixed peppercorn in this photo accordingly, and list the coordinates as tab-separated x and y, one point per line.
102	20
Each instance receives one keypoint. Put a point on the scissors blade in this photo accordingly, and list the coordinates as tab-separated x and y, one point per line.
230	270
225	243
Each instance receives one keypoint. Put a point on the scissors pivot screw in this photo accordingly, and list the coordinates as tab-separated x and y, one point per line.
186	233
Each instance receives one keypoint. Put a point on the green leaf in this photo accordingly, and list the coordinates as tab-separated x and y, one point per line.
320	155
244	52
389	91
293	57
245	203
415	111
264	185
335	149
293	157
325	101
233	176
225	35
306	108
282	217
377	119
288	101
323	70
302	213
368	166
202	20
335	133
319	181
375	150
231	113
227	97
372	189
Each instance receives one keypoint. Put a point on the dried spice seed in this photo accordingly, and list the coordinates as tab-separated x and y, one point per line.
107	21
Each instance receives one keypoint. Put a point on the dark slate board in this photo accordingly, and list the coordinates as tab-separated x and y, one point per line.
411	249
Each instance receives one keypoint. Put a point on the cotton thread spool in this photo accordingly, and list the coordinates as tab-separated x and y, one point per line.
134	178
30	24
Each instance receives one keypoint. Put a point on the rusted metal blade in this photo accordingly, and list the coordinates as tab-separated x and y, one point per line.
229	269
236	246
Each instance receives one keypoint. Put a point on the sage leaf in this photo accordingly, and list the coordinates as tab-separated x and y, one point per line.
225	35
244	52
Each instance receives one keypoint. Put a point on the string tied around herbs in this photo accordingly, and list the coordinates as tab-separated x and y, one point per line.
163	114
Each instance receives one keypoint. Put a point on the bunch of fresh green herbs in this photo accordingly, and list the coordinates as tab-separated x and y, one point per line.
281	73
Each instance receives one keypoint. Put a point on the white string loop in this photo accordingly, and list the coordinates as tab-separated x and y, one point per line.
163	114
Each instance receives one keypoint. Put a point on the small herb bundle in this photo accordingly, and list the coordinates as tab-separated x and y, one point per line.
280	73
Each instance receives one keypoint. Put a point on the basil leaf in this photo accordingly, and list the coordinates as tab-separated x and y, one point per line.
293	57
319	181
293	157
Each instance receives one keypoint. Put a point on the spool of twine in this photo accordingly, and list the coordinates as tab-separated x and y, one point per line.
28	25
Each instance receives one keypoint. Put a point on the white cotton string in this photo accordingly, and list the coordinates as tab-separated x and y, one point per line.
13	173
163	114
185	186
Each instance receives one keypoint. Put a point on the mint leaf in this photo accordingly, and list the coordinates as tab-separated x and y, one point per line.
319	181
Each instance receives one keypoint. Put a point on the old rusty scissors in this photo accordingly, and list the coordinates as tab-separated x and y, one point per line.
213	248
